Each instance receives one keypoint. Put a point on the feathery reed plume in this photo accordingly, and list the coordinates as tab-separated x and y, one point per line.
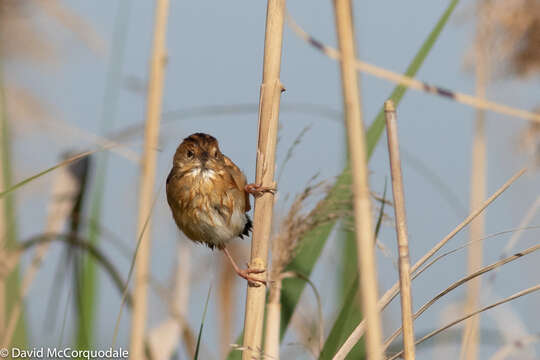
284	245
529	141
512	35
271	89
151	134
401	230
21	32
367	267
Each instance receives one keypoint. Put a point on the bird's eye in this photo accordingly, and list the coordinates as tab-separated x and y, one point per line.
190	154
216	153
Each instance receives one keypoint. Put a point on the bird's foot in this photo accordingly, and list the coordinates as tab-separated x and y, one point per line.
252	280
246	273
258	190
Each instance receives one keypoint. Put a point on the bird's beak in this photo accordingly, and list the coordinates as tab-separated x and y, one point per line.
204	157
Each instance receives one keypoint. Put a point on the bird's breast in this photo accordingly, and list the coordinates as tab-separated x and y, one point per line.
208	208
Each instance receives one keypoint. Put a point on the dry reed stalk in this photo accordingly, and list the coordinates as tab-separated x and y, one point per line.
151	134
227	294
471	314
358	332
414	84
271	89
180	305
163	340
469	344
401	230
273	320
367	267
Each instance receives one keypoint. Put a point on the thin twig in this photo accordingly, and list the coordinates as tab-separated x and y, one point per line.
462	281
413	83
469	315
401	230
358	332
522	226
467	244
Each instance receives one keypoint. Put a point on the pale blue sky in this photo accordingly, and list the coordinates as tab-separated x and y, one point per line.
215	58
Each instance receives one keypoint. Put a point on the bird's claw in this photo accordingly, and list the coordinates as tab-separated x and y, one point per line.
252	280
258	190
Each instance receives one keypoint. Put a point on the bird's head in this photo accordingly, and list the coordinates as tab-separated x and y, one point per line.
198	151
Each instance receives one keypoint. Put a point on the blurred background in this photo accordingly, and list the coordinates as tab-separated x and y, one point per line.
74	73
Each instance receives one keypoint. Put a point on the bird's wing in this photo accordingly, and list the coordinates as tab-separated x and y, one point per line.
239	179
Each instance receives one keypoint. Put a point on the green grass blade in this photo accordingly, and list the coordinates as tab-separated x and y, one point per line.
89	280
350	314
348	318
12	188
9	238
314	241
375	130
196	356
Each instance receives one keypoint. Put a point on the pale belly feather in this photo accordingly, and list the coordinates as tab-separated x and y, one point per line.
209	217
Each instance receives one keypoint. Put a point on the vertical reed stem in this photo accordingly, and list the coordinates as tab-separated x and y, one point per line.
151	133
361	198
273	320
469	345
271	89
401	229
227	292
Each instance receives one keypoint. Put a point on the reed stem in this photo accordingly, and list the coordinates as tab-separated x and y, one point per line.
401	230
367	267
469	344
273	320
151	133
269	101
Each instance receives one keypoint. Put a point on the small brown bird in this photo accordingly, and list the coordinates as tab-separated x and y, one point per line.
209	196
